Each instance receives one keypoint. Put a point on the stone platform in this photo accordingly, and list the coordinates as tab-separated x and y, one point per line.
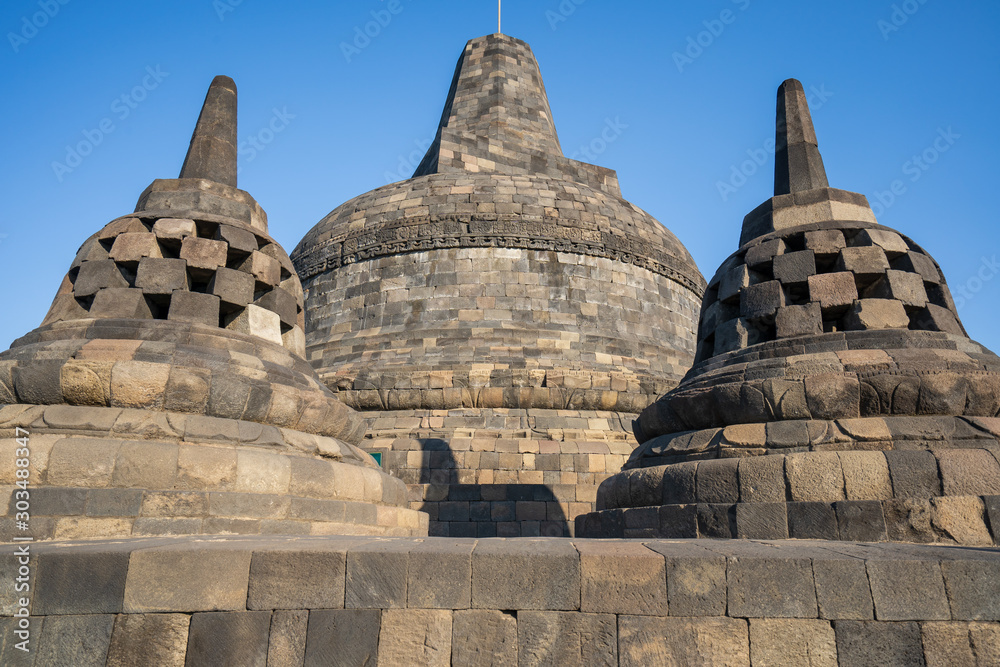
529	601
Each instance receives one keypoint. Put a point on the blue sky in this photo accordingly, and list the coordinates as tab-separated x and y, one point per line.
691	88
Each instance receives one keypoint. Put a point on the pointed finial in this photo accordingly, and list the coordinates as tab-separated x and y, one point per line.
212	154
798	165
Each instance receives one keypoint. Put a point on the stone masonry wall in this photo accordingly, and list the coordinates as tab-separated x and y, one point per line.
341	600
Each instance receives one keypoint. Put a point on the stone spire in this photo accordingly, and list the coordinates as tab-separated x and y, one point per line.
497	119
212	154
798	166
802	194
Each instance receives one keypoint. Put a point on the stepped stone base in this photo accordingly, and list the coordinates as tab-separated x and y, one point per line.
439	601
500	472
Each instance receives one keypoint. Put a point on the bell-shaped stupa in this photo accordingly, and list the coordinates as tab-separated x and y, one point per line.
501	317
166	390
835	394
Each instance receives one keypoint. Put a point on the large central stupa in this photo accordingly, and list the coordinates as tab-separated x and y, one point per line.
502	316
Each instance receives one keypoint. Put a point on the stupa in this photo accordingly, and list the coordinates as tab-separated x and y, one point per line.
501	317
835	393
166	393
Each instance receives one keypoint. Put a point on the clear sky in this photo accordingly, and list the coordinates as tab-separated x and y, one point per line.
904	96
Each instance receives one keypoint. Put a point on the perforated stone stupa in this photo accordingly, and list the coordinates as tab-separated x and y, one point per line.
835	394
166	391
501	317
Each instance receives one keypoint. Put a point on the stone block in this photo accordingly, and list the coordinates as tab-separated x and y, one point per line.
234	288
716	521
812	521
82	462
80	641
240	241
80	581
761	300
287	644
525	575
877	643
794	268
203	256
866	263
875	314
343	637
484	637
129	249
973	589
890	242
415	636
842	589
792	642
55	501
861	520
149	639
762	255
696	580
761	521
936	318
172	231
678	521
948	644
561	638
194	307
733	282
901	286
187	579
814	476
866	475
96	276
281	302
650	640
909	520
256	321
10	654
297	580
762	479
718	481
143	464
187	390
771	587
377	575
826	241
915	262
733	335
914	474
229	638
908	590
679	483
834	291
161	275
622	577
121	303
961	518
426	588
968	472
265	270
804	320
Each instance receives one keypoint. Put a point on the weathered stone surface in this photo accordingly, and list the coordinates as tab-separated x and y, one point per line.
866	475
297	580
833	291
229	638
525	575
869	314
762	479
804	320
969	472
194	307
81	641
121	303
149	639
876	643
96	276
973	589
415	636
717	481
833	396
914	474
343	637
812	521
962	519
426	589
696	579
815	476
287	643
256	321
377	575
60	588
860	520
560	638
203	254
761	300
622	577
825	242
131	247
842	589
792	642
771	587
905	590
948	645
484	637
648	640
234	288
902	286
761	521
165	580
794	268
174	229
